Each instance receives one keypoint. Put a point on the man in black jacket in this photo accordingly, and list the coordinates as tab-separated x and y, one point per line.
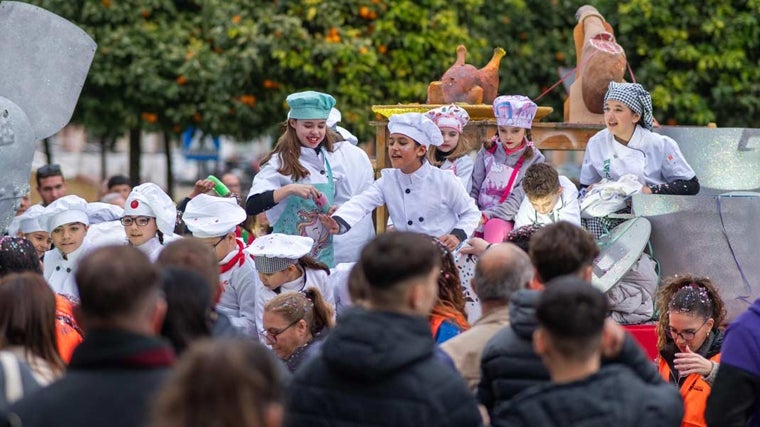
377	367
572	335
119	366
509	365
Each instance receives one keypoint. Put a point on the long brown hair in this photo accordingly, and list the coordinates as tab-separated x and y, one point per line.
451	302
221	383
308	261
308	305
692	294
288	147
27	317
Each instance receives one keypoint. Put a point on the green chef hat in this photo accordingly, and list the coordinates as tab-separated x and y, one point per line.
310	105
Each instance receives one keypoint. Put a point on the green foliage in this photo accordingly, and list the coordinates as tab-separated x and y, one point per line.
227	66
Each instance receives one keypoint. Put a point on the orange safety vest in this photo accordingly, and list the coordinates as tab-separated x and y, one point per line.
694	392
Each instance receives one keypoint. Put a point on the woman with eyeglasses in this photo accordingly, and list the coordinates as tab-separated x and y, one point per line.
294	323
149	216
689	340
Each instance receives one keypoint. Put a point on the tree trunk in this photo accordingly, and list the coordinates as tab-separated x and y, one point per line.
169	165
103	154
134	155
48	152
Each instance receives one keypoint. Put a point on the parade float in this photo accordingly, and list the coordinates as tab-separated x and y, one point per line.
711	234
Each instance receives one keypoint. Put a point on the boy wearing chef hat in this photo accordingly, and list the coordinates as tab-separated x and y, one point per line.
67	222
31	229
420	197
149	216
283	264
213	220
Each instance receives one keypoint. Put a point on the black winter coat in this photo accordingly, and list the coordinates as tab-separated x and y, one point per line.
111	380
626	392
378	368
508	364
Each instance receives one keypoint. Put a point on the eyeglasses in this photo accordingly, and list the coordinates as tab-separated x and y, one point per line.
270	335
218	242
686	335
45	171
141	221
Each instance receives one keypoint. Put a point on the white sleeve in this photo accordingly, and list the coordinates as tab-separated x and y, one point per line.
523	215
463	206
571	210
674	165
589	174
268	178
241	308
465	165
359	206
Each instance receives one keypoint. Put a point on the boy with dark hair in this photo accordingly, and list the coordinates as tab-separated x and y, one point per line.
509	365
572	335
377	367
549	198
50	183
119	184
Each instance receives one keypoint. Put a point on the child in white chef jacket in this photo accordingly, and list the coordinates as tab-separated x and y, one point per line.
452	154
29	227
420	198
282	265
149	216
213	220
629	146
297	180
549	198
67	222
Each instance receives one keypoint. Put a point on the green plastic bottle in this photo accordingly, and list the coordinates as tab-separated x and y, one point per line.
219	186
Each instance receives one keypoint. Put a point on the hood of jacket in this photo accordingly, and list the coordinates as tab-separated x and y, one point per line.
522	312
371	345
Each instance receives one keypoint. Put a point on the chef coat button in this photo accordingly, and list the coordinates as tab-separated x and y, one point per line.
322	172
410	222
58	268
68	270
422	219
407	191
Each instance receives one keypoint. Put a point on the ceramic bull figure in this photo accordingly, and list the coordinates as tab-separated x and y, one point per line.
45	62
465	83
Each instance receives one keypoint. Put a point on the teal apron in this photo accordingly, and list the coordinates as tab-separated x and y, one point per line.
301	218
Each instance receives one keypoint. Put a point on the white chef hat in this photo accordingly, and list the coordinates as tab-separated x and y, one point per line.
65	210
29	221
99	212
332	122
514	110
275	252
150	200
209	216
416	126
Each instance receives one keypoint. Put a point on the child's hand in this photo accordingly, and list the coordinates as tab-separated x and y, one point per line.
201	186
332	209
450	241
303	191
689	362
475	246
330	224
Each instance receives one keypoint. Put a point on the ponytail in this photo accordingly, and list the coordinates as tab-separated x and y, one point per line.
322	313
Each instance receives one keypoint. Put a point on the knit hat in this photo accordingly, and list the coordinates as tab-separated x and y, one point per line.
276	252
635	97
514	110
416	126
449	116
209	216
310	105
66	210
150	200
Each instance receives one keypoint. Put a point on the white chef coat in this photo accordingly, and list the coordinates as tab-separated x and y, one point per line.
353	173
310	279
567	208
653	158
428	201
238	299
59	271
